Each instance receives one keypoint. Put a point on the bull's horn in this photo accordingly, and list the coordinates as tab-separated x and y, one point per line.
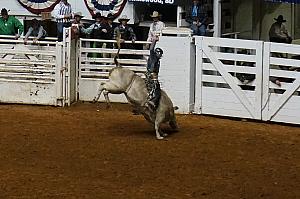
175	108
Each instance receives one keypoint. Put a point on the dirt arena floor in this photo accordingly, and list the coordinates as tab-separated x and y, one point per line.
86	151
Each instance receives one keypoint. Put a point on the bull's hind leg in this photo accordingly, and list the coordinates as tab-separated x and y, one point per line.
173	125
158	120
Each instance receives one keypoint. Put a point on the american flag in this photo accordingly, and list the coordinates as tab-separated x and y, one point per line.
38	6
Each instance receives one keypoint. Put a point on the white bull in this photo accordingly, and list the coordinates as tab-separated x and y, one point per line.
125	81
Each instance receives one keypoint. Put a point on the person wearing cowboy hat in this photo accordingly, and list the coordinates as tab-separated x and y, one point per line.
9	25
155	27
109	26
126	33
36	30
125	30
77	25
97	30
278	31
197	18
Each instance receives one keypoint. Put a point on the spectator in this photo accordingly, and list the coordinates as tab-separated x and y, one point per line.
36	30
77	26
62	13
278	32
109	26
9	25
155	27
125	31
197	17
97	30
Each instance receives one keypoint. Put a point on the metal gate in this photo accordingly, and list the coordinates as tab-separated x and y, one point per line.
34	73
228	77
96	59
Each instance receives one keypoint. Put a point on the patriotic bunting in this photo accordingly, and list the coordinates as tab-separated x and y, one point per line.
38	6
114	7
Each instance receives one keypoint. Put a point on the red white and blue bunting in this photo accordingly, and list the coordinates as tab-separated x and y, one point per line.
38	6
114	7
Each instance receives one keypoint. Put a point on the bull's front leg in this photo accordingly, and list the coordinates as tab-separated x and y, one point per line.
105	93
100	90
157	131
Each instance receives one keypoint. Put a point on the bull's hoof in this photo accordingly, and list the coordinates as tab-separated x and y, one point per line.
164	134
159	137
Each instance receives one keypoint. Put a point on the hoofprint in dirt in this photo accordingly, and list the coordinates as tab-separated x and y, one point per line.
79	152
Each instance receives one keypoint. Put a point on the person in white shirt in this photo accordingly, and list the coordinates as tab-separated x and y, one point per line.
62	13
155	27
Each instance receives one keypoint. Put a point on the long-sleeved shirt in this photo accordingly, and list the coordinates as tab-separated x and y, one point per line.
197	13
60	10
96	30
278	30
9	26
155	27
125	31
38	32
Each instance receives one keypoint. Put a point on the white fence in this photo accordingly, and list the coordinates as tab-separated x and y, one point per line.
229	77
247	79
281	103
218	76
33	73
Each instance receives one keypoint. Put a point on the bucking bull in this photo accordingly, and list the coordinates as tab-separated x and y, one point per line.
125	81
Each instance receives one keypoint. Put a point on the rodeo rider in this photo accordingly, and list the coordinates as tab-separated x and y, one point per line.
152	82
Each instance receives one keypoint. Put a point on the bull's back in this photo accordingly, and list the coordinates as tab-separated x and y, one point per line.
121	77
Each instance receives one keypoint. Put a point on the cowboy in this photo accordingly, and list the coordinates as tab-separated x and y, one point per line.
62	13
125	31
77	25
97	30
9	25
151	80
278	32
155	27
109	26
36	30
197	18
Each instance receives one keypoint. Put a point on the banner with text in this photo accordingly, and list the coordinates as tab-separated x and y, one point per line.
163	2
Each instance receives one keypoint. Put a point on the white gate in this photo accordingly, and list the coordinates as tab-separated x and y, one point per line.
281	101
34	73
96	59
228	77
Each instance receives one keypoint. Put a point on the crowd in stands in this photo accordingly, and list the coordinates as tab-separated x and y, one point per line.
102	28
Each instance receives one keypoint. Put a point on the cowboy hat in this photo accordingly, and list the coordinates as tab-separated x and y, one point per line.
155	14
110	16
124	18
97	15
4	11
79	14
280	19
